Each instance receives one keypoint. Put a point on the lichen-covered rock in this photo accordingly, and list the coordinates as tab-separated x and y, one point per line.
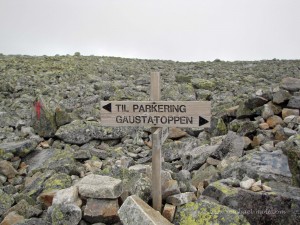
57	181
6	202
277	207
260	165
34	185
67	214
135	211
97	186
291	149
43	119
19	148
232	145
208	212
197	157
200	83
60	160
24	209
175	149
182	198
290	84
81	132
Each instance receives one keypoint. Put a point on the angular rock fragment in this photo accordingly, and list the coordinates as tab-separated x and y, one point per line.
135	211
101	210
97	186
67	214
182	198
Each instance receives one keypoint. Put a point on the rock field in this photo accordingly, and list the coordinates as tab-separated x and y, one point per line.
60	166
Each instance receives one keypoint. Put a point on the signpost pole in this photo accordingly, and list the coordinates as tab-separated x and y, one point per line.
156	148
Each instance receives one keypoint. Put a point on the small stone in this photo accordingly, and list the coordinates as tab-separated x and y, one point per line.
247	184
169	212
46	198
257	183
289	112
176	133
266	188
256	188
267	111
294	102
181	198
45	144
273	121
289	132
7	169
212	161
264	126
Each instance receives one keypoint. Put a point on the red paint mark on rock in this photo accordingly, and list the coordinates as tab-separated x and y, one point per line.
38	107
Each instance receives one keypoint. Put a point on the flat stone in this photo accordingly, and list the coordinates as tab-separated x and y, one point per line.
101	210
97	186
135	211
169	212
182	198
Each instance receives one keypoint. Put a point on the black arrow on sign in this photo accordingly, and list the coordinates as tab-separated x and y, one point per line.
202	121
107	107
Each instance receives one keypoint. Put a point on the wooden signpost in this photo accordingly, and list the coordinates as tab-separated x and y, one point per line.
160	115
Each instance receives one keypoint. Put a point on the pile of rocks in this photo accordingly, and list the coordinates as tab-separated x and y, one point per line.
58	165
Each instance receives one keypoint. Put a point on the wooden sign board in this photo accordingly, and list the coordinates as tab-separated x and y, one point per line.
156	113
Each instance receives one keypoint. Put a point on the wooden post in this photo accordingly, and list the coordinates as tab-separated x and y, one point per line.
156	148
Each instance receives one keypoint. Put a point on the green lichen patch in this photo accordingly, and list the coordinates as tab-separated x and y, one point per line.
206	212
58	181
